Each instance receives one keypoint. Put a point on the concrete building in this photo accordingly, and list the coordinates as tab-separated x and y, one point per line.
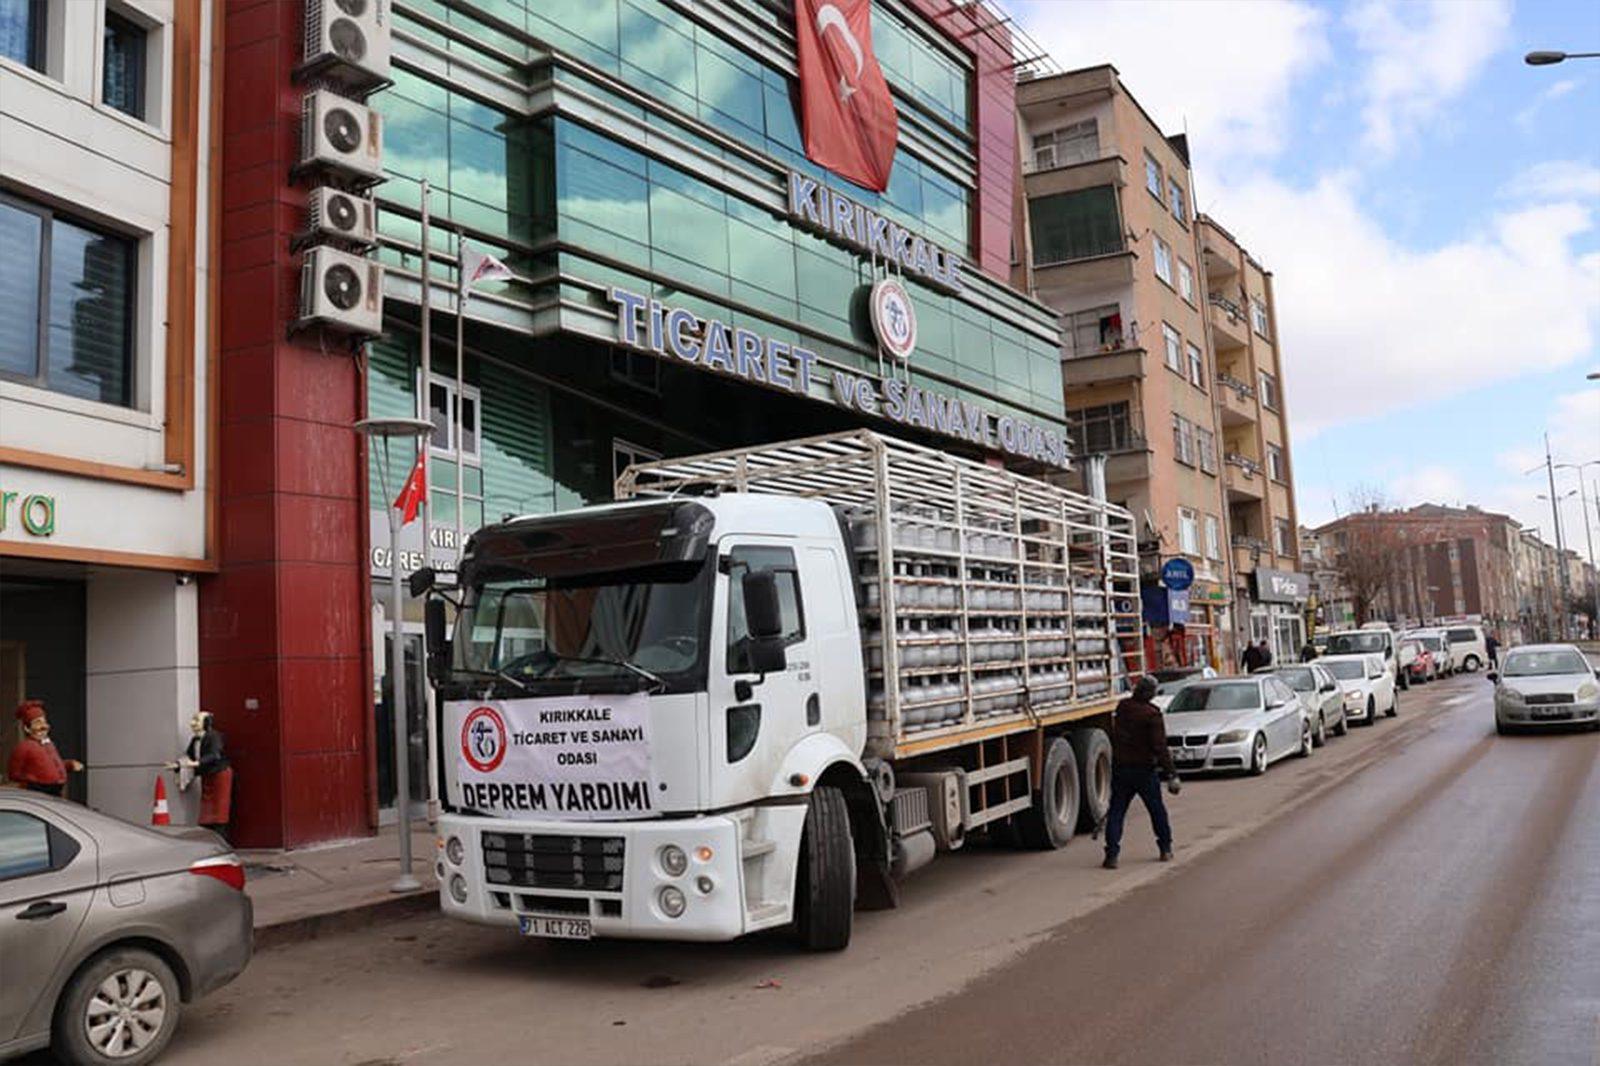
1270	589
1169	359
108	110
618	155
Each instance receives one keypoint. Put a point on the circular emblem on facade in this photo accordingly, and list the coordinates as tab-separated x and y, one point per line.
893	320
483	739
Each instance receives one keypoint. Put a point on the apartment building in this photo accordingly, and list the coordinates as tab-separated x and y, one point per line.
107	193
1271	589
1109	243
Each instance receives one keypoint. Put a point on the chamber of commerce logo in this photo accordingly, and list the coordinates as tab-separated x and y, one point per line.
893	320
483	739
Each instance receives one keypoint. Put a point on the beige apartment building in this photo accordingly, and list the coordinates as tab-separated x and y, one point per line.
1113	243
1270	588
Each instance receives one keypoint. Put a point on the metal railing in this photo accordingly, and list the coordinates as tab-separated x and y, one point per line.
1110	246
1245	391
1235	312
1250	467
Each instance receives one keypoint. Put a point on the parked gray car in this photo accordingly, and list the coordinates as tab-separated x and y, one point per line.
107	927
1544	685
1322	695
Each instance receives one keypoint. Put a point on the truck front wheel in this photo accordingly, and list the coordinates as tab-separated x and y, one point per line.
825	884
1049	823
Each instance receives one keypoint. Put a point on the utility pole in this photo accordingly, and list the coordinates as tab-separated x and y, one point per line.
1561	549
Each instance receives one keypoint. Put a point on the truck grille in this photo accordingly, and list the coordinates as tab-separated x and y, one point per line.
554	860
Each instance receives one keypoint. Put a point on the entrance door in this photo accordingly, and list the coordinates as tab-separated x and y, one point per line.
416	717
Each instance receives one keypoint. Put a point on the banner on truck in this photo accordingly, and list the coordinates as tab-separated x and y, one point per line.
564	756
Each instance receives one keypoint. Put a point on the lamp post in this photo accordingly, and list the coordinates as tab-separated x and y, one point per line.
1545	59
385	430
1588	539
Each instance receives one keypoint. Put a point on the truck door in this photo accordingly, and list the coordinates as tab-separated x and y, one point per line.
749	737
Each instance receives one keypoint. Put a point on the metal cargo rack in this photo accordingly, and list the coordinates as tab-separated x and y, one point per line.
1010	602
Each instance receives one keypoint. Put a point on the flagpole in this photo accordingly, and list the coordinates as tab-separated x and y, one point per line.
425	413
465	289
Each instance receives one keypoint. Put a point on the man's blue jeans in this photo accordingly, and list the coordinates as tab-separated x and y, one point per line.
1126	783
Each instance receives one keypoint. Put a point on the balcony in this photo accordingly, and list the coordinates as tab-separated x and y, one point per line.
1249	552
1229	327
1238	401
1129	464
1092	269
1047	175
1245	479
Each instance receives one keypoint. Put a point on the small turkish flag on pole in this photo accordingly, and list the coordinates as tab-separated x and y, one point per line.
409	502
845	106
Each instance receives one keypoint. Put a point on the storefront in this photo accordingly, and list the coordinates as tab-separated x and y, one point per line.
1277	611
687	279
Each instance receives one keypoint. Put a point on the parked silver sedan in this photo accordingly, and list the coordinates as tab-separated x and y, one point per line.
1543	685
107	927
1322	695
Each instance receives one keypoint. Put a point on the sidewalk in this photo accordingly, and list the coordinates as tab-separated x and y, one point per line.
313	891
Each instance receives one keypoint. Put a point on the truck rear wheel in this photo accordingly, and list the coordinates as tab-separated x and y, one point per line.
825	884
1092	748
1049	823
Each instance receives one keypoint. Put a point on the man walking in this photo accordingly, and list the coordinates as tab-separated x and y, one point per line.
1139	759
1492	647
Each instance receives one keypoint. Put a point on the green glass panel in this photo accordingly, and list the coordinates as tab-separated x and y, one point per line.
691	230
726	87
1075	225
761	257
659	51
599	194
415	140
586	28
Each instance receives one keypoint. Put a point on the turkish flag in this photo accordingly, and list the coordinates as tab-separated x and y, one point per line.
845	106
415	490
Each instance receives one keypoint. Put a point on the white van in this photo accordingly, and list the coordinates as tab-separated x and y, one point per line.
1371	639
1469	645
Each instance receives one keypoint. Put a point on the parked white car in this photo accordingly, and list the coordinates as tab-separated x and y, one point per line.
1374	640
1542	685
1322	694
1244	723
1369	688
1470	645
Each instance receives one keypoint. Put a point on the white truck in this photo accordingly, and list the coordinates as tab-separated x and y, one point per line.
769	684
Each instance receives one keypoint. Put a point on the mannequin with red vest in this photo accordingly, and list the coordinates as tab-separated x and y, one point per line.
35	763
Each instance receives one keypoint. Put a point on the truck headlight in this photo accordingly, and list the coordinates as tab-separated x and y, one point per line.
458	888
455	851
673	861
672	901
1232	736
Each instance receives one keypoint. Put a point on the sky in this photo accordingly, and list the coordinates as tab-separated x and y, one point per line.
1429	206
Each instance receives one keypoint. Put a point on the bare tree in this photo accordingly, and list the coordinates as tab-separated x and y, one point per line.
1367	550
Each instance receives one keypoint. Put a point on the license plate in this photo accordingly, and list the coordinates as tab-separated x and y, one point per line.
560	928
1550	712
1190	756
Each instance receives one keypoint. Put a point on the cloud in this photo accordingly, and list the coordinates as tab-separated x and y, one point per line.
1555	179
1420	56
1554	91
1369	325
1224	67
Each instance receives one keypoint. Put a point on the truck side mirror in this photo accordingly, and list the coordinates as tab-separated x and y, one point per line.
421	581
437	642
763	613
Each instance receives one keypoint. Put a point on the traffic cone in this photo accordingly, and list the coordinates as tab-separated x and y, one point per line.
158	810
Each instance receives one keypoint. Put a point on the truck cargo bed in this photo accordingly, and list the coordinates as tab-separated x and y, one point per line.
996	602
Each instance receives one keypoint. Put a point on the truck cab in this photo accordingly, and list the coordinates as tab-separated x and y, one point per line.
637	704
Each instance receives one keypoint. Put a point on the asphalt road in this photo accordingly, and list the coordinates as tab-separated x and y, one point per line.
1420	891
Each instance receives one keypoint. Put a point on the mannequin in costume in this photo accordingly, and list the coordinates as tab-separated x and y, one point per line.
35	763
206	758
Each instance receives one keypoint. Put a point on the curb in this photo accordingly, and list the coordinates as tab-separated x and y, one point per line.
360	916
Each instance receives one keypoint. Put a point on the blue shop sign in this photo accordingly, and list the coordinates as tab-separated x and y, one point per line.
1177	574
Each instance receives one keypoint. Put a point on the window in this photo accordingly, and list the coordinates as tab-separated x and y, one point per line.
1077	143
1074	225
1163	256
1213	537
1275	465
625	454
638	369
66	304
1152	175
1186	281
1269	391
1174	347
122	81
1206	446
1098	329
30	845
1258	318
1188	532
781	562
441	396
1197	365
22	29
1175	200
1106	428
1183	440
1282	541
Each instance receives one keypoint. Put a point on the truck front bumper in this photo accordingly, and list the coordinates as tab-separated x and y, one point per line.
615	874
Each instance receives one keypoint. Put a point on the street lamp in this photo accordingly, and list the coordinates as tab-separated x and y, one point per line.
1545	59
386	430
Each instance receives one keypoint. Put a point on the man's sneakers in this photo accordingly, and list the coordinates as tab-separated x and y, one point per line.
1110	863
1166	855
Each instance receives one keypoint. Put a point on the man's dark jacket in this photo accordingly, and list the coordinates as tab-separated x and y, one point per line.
1139	737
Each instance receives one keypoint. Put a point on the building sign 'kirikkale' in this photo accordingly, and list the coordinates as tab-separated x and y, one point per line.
814	206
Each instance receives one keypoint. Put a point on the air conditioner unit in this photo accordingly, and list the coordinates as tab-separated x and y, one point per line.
347	41
341	291
342	216
341	135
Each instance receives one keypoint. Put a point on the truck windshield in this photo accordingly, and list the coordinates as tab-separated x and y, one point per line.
606	632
